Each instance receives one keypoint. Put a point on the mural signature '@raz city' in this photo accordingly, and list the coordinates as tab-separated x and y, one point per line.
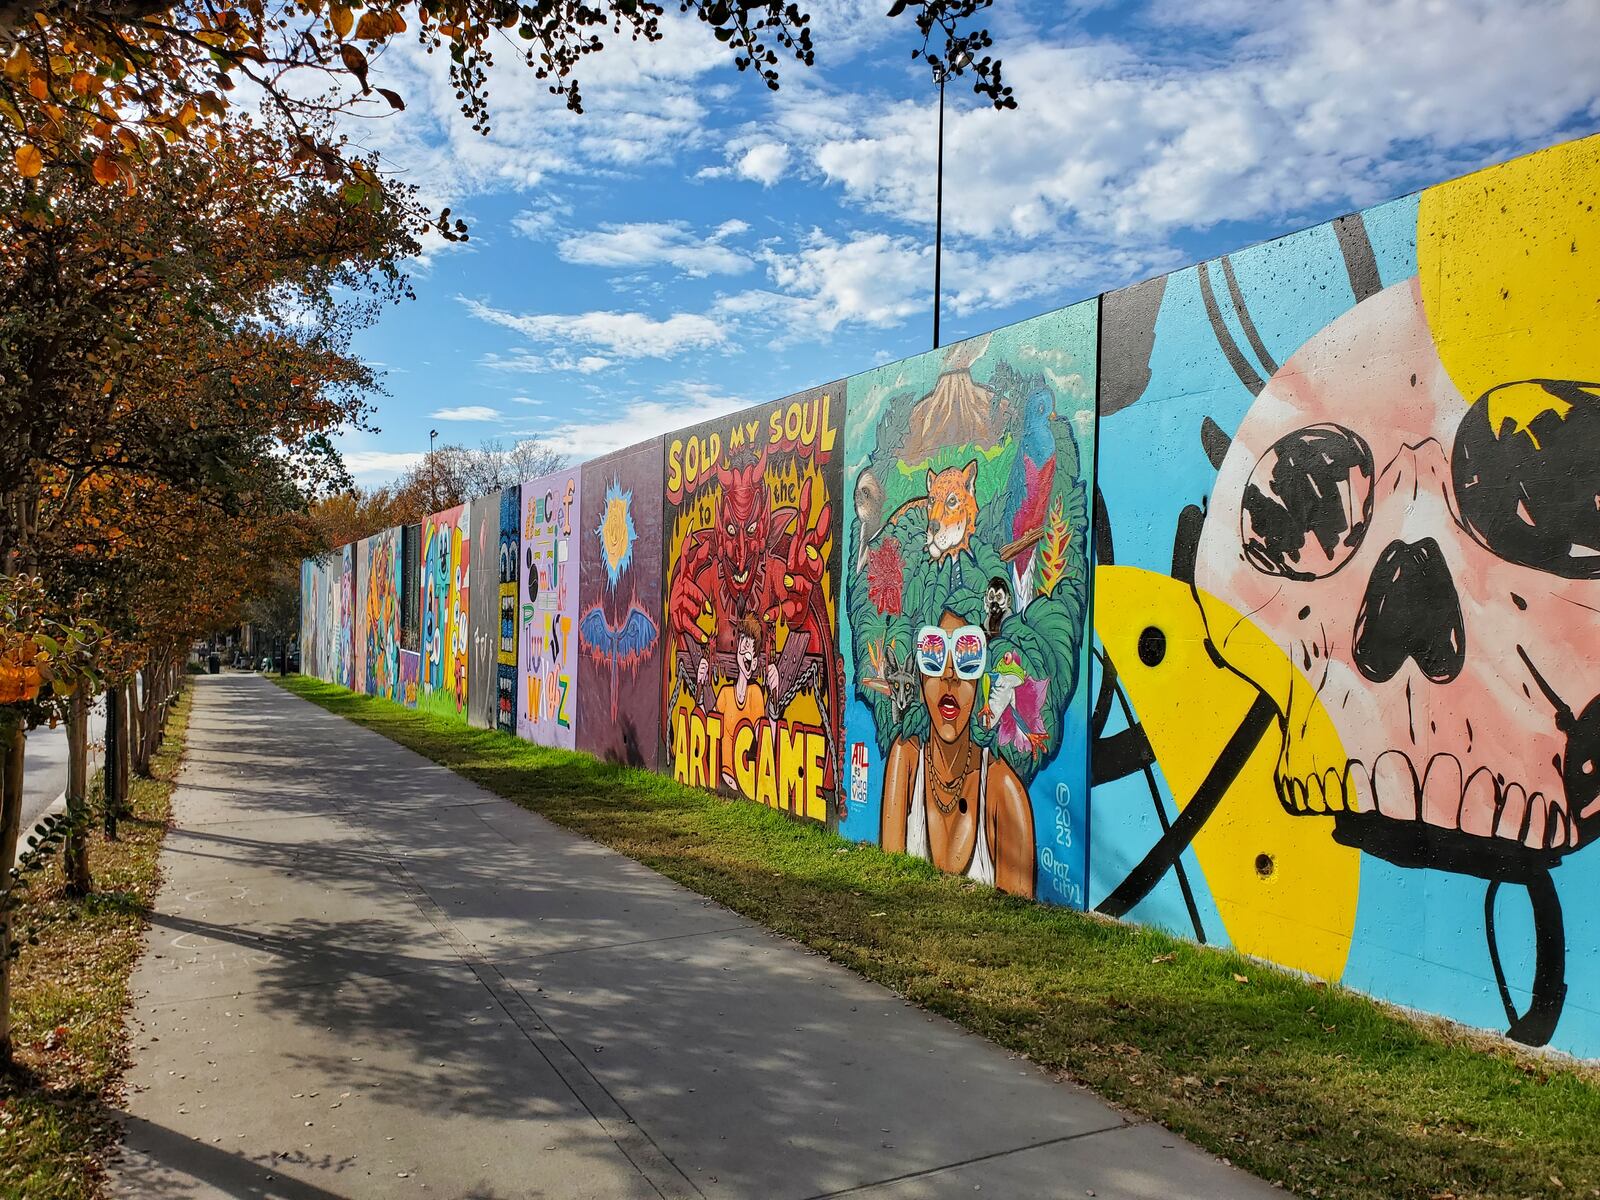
1259	602
755	690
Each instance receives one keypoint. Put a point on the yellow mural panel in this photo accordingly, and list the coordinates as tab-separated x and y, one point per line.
1286	891
1509	264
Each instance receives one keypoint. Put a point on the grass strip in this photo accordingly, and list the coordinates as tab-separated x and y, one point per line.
70	994
1310	1085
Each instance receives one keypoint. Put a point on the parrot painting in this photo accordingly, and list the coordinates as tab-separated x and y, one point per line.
1027	494
1014	705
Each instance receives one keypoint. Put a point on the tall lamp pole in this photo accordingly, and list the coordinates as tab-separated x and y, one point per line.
941	73
433	473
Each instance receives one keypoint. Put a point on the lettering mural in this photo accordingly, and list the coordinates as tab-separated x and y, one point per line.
507	622
483	611
446	592
552	525
966	588
755	689
1349	567
619	606
1257	602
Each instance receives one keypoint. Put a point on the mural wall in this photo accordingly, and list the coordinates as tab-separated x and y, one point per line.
378	569
1346	595
507	617
754	688
547	615
317	623
444	597
1259	602
619	606
483	611
966	591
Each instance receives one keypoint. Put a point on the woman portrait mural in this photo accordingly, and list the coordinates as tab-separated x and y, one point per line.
966	587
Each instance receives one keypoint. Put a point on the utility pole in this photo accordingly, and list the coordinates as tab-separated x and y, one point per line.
941	73
433	473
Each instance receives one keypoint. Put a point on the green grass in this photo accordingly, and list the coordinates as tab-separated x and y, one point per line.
1324	1090
71	993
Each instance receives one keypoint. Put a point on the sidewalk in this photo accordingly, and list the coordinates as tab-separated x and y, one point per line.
367	977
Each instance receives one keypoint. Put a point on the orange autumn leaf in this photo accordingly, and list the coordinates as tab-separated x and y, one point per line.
105	170
29	161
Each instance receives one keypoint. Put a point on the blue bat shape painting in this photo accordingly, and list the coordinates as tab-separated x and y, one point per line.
617	646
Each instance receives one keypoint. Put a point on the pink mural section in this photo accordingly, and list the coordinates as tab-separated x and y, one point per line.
547	611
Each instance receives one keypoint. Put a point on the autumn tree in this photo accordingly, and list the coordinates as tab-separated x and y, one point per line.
170	376
108	87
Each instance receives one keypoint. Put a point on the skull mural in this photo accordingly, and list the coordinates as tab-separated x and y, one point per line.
1430	566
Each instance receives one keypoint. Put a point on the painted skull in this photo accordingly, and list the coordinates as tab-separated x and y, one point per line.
1427	570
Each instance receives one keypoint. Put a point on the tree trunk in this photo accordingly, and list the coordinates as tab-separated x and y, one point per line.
12	742
113	796
141	716
125	739
75	854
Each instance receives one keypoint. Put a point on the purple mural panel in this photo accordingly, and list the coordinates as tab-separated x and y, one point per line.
619	606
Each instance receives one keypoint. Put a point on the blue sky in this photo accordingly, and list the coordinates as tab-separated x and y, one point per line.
693	243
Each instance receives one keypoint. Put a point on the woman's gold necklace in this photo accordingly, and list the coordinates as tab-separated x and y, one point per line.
952	788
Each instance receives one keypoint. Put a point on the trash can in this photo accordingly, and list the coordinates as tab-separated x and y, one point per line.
214	663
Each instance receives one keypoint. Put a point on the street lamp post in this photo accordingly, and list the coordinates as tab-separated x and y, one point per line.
433	472
941	73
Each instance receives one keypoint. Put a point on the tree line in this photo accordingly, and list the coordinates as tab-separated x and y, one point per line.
181	278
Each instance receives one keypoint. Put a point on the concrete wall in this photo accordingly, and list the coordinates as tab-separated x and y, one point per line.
754	686
1260	602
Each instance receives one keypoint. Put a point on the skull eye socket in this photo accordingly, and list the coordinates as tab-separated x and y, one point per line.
1308	503
1526	477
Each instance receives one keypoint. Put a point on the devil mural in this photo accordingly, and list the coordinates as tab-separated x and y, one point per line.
755	684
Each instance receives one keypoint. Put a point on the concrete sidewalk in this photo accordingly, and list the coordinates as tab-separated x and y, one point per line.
367	977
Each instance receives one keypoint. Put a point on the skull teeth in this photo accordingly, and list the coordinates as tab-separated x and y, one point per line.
1442	794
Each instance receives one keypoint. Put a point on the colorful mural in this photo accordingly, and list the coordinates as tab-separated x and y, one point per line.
548	613
483	612
1348	566
1336	499
445	596
379	572
410	677
754	687
619	606
344	664
507	622
316	626
966	592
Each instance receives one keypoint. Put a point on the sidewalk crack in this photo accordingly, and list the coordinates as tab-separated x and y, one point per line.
654	1165
859	1188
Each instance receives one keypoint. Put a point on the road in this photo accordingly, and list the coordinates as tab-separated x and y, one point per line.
44	766
367	977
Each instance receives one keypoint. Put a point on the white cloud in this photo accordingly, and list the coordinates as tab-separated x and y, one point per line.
643	104
466	412
1312	108
379	466
657	243
624	334
765	162
526	362
639	420
880	281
